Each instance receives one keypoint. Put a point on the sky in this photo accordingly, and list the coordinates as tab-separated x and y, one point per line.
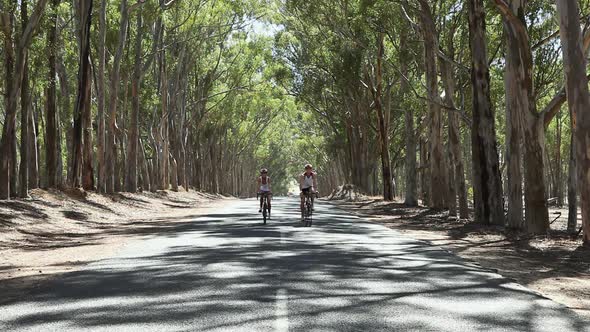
264	28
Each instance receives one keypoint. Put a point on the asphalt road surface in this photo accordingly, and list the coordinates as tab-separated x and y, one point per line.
225	271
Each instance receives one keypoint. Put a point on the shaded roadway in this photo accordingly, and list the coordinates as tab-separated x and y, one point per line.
225	271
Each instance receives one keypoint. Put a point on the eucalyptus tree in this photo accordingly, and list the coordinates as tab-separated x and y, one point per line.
449	71
438	174
487	186
25	126
82	171
15	64
329	54
578	99
101	99
411	184
110	140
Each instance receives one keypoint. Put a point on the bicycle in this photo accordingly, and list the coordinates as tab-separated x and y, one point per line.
308	208
265	196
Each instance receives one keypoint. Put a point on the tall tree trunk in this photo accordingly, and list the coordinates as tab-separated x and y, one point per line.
13	164
9	60
438	172
383	130
572	189
64	101
174	173
88	146
120	162
452	189
111	139
52	138
536	208
411	196
531	123
34	146
514	97
155	161
457	170
51	130
8	175
558	178
182	137
131	174
424	170
182	168
460	170
101	134
578	100
487	183
176	109
163	129
453	136
82	101
145	172
25	126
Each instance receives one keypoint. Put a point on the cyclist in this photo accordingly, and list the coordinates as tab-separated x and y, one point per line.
264	188
308	183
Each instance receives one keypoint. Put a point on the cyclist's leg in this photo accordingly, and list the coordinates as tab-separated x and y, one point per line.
261	200
302	198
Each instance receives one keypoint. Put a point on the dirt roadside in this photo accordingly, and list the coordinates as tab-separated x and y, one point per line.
55	232
556	266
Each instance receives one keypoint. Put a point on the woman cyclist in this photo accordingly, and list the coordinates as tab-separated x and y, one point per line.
308	183
264	188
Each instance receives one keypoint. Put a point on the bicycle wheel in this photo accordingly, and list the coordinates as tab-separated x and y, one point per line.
264	209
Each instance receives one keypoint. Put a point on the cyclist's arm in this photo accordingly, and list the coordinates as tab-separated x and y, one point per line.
315	182
300	182
268	181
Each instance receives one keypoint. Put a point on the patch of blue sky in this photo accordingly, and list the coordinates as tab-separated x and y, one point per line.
259	27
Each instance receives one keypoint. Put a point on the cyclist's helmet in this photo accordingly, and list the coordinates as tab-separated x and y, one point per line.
263	171
308	166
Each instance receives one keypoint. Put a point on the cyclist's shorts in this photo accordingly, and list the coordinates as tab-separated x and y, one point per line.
305	191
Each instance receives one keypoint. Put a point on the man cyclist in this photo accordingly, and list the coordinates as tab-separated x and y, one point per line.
308	183
264	188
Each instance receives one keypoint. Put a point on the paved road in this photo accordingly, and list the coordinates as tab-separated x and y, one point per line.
224	271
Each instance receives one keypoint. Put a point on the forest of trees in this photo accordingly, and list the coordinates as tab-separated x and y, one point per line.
137	95
463	102
457	104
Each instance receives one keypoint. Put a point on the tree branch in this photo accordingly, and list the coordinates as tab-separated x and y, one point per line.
551	110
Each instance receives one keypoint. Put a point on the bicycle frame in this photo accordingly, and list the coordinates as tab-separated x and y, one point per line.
265	196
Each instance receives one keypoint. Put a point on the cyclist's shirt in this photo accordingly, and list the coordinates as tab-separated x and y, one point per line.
264	184
307	181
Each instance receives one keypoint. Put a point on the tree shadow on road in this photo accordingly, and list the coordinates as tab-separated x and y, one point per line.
225	271
526	259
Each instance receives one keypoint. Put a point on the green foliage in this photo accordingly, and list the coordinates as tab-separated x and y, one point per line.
280	83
